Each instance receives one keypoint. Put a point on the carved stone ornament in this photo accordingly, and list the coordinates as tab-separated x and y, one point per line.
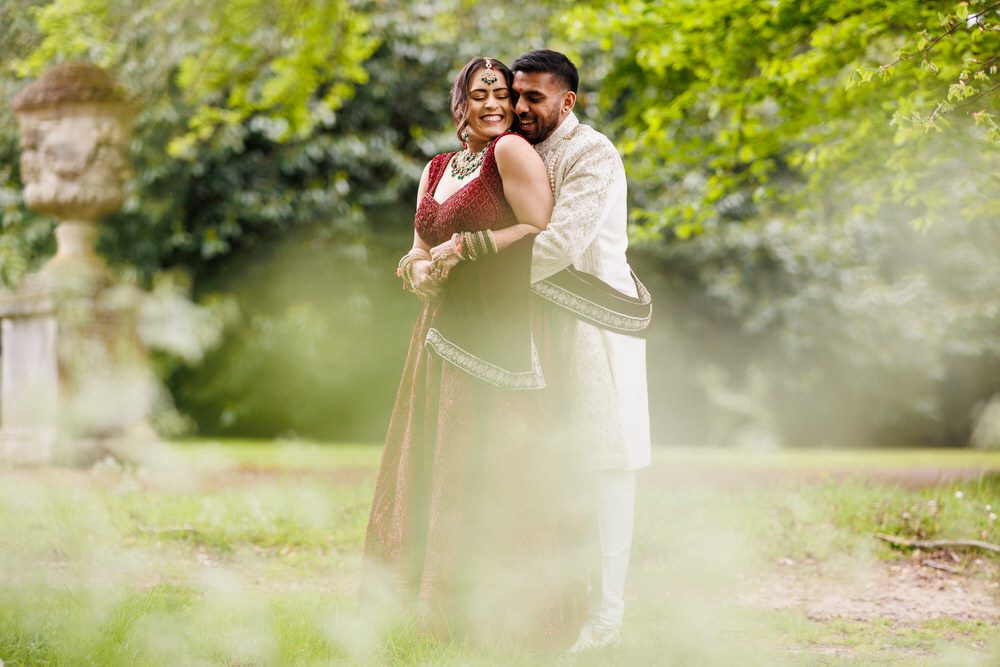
75	125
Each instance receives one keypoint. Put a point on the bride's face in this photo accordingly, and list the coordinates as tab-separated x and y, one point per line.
490	112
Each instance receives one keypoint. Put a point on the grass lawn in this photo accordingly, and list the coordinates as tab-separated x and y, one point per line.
247	553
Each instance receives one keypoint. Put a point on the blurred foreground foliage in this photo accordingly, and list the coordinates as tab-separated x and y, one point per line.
812	193
249	553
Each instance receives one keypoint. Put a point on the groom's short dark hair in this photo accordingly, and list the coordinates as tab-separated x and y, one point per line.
549	61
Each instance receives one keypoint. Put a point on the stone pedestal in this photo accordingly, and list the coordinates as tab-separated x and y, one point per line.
30	379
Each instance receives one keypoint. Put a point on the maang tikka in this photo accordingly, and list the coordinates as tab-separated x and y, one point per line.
488	77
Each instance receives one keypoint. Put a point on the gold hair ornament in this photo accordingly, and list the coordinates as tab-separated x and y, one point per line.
489	77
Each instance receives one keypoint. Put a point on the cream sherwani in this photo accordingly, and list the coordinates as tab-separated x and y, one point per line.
606	371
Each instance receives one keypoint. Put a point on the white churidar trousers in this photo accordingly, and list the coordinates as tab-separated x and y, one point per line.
615	491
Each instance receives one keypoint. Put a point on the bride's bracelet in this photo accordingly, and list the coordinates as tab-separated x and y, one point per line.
405	267
473	245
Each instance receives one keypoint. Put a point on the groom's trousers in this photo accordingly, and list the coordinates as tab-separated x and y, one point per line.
615	496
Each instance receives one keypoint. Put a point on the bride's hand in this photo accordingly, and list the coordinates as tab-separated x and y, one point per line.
424	284
443	248
444	257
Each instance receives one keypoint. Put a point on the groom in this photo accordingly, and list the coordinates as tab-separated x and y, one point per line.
604	367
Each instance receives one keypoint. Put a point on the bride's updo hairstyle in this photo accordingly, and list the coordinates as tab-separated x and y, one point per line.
460	92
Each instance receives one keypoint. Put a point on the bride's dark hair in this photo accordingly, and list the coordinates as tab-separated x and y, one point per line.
460	92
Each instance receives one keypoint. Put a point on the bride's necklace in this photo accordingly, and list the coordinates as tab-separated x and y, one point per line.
466	162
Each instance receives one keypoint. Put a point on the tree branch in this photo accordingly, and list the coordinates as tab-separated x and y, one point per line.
944	567
976	97
985	65
950	31
937	544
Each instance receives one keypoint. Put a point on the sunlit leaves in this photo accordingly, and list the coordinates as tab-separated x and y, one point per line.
796	103
74	29
293	61
272	58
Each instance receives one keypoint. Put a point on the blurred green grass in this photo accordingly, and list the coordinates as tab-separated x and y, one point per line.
248	552
279	454
291	454
867	459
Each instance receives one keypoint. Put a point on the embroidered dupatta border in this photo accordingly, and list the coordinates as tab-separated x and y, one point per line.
483	369
634	322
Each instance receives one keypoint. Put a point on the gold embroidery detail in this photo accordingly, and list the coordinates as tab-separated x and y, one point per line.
484	370
592	311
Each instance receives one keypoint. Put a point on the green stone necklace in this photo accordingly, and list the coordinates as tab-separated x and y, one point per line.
466	162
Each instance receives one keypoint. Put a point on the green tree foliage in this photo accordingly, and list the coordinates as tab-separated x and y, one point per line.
292	62
23	234
800	147
756	101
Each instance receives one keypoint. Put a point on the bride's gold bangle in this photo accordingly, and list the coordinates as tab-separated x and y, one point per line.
404	269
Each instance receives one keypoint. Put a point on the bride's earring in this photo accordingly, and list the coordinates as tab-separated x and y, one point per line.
465	135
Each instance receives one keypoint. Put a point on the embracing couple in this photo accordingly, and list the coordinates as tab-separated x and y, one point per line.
504	502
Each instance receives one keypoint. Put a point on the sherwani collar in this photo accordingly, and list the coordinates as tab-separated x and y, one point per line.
563	130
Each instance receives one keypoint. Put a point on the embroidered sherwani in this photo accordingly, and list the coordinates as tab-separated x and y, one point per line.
603	372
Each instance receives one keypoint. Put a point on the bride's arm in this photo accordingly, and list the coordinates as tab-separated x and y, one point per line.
416	273
526	187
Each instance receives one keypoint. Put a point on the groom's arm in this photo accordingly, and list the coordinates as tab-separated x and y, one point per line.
595	180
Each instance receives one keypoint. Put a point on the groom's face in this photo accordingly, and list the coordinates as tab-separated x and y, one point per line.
544	101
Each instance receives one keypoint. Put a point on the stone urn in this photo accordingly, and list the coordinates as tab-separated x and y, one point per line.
75	124
62	333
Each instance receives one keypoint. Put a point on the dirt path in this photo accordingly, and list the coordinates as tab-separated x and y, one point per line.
907	591
903	591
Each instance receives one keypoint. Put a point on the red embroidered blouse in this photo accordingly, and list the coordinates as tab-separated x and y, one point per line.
479	204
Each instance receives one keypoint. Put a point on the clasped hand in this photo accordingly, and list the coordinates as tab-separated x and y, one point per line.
429	276
444	257
425	285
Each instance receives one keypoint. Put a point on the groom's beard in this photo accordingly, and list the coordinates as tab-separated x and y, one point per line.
539	127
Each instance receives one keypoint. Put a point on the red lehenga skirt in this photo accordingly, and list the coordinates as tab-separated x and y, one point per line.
475	519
